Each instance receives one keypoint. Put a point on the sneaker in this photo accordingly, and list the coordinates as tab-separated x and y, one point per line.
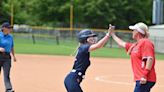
10	90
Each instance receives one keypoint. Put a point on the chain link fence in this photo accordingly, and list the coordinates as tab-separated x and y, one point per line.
51	36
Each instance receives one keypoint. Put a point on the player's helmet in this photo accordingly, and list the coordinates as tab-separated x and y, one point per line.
84	34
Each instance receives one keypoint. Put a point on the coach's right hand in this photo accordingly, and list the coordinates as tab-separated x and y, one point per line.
2	49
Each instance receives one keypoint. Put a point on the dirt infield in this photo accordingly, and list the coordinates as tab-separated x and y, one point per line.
43	73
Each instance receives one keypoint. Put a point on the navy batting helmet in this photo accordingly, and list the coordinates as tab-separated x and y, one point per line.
84	34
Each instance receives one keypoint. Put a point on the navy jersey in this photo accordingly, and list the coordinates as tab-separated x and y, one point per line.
82	61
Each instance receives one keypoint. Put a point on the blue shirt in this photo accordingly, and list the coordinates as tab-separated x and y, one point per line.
82	61
6	42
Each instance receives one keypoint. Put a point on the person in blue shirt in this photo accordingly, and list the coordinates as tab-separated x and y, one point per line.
88	43
6	48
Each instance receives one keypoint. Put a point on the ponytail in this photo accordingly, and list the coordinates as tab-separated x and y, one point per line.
146	34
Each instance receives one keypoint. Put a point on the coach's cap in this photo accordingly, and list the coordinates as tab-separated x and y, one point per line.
6	25
140	27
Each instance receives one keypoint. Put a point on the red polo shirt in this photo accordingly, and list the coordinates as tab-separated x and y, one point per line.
141	51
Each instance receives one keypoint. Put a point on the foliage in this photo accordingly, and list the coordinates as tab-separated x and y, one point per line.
87	13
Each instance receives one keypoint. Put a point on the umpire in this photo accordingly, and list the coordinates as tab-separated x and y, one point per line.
6	48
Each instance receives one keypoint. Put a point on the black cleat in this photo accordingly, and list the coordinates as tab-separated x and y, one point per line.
10	91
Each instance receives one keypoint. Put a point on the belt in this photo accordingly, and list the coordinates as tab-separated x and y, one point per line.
6	53
78	73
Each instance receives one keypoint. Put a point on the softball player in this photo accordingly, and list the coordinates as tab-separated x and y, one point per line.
82	59
6	47
142	57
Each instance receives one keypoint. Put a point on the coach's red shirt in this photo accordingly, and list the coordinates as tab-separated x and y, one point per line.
141	51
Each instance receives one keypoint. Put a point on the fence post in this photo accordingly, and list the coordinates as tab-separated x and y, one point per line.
33	39
110	42
57	40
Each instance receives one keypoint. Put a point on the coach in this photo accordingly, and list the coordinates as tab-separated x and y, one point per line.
142	57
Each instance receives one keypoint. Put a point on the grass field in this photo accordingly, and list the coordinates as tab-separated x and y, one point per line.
49	47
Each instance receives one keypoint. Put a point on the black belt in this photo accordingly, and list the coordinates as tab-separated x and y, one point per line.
5	55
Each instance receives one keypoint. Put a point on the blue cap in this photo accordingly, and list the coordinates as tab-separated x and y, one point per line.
6	25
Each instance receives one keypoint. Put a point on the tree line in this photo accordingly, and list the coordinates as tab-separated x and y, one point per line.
87	13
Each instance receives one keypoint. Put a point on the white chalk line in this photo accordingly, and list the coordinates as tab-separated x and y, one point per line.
105	80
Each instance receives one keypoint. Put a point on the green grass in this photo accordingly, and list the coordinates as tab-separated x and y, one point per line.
110	52
44	47
49	47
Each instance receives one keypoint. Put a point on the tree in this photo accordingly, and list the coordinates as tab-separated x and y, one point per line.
4	11
87	13
99	13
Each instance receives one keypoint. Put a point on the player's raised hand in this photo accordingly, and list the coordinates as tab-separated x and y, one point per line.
111	29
